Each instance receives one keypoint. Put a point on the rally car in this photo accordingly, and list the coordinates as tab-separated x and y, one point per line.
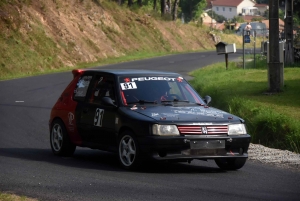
144	114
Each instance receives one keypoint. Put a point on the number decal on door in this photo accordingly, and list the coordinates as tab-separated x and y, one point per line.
98	117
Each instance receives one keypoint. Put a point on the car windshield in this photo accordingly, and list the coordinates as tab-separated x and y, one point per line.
154	89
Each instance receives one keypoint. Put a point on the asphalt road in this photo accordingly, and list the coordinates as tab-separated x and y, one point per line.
28	167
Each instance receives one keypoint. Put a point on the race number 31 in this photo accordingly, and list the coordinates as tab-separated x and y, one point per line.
98	117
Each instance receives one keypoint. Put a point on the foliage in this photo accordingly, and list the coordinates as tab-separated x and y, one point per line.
218	18
199	7
192	9
239	19
257	19
281	14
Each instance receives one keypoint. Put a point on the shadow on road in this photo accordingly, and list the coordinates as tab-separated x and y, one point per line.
99	160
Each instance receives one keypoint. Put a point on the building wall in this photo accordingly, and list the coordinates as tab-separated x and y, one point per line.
227	13
262	9
245	3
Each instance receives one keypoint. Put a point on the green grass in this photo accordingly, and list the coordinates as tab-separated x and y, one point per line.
272	119
12	197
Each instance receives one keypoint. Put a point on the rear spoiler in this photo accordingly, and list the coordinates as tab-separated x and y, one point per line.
77	72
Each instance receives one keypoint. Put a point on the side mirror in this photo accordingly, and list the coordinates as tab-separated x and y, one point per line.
108	101
207	99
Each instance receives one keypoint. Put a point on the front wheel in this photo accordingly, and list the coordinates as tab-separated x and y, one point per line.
60	142
129	154
230	163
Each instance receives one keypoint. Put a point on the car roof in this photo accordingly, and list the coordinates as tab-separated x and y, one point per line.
121	72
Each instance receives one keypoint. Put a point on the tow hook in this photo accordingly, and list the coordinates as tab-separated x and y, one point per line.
229	140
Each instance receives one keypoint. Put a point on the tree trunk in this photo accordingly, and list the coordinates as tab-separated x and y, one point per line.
163	7
169	6
154	5
130	2
139	3
175	7
288	31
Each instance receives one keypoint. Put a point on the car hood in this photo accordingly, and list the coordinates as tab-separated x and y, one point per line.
190	113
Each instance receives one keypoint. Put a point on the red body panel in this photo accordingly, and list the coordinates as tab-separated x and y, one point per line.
65	107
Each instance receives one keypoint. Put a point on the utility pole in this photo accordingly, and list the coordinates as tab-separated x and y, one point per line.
274	68
288	31
212	15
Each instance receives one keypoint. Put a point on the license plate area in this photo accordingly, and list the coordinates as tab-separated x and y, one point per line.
207	144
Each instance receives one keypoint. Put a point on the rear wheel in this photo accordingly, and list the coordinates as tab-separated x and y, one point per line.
60	142
129	154
230	163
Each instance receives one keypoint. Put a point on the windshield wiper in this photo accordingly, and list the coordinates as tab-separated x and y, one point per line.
142	102
175	100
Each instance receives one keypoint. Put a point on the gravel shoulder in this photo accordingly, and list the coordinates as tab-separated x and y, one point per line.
277	157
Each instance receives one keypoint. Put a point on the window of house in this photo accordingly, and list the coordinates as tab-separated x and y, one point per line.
223	8
217	8
230	9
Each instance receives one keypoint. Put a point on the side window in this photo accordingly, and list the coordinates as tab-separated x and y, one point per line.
102	86
82	87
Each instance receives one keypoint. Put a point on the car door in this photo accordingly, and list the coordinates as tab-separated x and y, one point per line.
97	120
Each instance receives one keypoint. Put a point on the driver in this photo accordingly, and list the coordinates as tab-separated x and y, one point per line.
161	91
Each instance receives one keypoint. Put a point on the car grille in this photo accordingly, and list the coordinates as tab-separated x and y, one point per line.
203	130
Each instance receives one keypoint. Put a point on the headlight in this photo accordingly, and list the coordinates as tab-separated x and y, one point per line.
165	130
237	129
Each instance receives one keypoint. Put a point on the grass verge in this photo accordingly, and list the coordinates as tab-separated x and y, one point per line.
11	197
272	120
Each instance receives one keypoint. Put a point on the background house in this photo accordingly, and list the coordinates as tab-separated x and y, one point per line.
232	8
261	8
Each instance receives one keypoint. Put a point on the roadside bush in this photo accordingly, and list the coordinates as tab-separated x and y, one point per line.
266	126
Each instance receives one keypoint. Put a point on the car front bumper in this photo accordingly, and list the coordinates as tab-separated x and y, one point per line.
195	147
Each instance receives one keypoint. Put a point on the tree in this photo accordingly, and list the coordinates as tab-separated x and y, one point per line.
163	7
139	2
198	9
217	17
154	4
192	9
174	10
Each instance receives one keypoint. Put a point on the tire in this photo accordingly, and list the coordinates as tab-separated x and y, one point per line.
60	142
128	151
230	163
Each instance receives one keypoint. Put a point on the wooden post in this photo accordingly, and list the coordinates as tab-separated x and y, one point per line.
274	77
226	60
288	31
